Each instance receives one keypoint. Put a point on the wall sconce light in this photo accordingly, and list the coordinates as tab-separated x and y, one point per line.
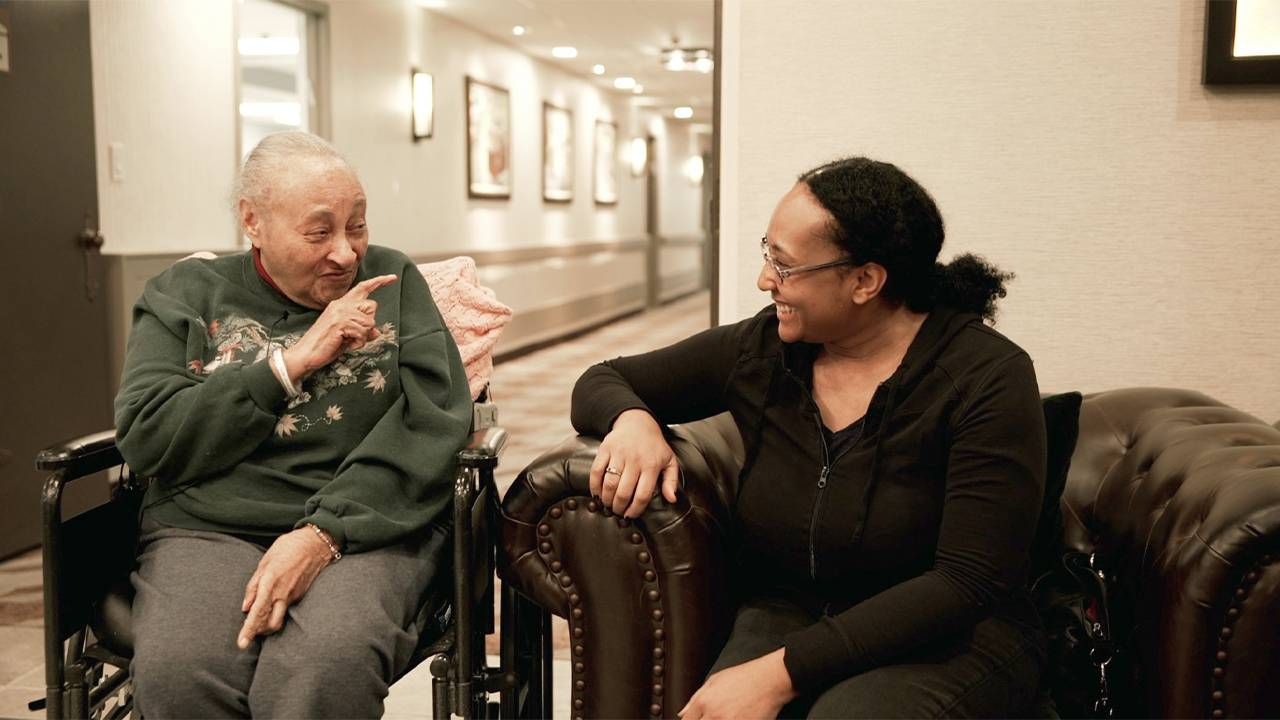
423	105
638	156
694	169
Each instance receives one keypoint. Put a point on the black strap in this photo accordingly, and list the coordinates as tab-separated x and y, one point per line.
1093	584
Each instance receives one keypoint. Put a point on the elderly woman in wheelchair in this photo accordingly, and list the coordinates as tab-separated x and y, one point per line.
299	408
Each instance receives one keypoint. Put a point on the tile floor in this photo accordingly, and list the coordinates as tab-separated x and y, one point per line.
532	393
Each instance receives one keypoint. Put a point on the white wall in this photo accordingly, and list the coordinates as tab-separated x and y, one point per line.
164	88
418	191
679	203
1071	143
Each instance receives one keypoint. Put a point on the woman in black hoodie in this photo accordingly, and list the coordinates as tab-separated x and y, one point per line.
895	461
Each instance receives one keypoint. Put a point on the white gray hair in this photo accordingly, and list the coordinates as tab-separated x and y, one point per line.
273	155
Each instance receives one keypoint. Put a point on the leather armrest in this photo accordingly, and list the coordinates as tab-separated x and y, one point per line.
647	601
1210	577
1180	497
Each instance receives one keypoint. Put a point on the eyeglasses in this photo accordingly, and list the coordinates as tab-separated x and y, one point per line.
783	272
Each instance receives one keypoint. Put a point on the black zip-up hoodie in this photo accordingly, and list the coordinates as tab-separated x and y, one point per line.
911	535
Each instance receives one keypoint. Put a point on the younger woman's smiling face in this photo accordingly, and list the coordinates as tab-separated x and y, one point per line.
812	306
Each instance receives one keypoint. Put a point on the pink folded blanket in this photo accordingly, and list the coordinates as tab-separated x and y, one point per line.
471	312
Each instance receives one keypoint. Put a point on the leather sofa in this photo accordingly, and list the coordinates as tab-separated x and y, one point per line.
1176	495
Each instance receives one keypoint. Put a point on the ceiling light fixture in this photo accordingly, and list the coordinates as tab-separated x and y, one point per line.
624	82
597	69
637	89
519	30
432	4
684	112
564	52
678	59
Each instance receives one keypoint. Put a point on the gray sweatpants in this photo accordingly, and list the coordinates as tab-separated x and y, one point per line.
341	646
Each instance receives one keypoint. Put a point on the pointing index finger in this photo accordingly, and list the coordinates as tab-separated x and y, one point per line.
362	289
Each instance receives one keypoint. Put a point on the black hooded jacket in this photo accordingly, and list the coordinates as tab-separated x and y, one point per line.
913	533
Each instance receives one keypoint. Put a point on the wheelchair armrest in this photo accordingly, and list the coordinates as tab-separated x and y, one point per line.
483	449
81	456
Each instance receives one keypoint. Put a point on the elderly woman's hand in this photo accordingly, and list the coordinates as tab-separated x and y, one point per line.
284	575
629	462
345	324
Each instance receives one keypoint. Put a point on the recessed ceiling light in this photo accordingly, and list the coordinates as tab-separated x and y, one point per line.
597	69
624	82
565	52
684	112
519	30
432	4
637	89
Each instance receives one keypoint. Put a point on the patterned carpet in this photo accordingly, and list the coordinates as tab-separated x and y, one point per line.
532	393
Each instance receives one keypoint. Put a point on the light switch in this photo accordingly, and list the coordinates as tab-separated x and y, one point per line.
115	161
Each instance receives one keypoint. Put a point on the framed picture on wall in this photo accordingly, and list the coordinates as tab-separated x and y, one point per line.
488	140
606	163
557	154
1241	43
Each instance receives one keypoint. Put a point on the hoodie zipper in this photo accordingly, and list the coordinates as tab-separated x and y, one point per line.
817	502
824	476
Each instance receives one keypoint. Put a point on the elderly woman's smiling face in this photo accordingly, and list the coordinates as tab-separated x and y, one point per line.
310	229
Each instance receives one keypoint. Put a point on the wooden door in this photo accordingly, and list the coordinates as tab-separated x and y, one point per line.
53	355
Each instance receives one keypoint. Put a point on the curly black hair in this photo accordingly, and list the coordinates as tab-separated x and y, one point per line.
879	214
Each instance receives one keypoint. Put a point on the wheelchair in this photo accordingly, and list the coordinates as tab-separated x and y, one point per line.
88	641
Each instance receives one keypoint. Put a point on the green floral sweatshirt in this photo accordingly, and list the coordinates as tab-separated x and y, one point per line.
366	452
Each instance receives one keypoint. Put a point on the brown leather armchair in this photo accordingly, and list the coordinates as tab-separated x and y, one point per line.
1177	494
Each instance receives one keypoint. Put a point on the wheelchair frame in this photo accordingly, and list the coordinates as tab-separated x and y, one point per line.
83	674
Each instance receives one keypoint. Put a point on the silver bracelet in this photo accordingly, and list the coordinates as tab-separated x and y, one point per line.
328	541
278	368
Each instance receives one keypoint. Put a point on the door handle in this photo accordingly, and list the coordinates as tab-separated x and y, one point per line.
90	242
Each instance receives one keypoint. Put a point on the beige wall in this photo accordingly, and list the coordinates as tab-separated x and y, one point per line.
164	89
679	203
1071	143
418	191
